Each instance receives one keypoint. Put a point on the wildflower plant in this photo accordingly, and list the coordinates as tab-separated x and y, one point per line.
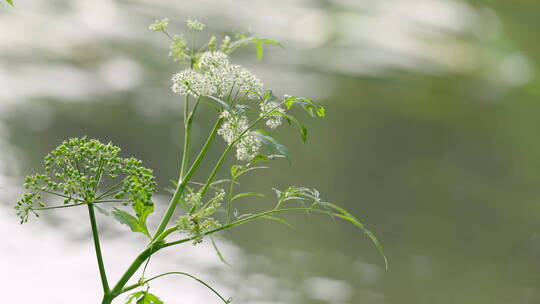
86	172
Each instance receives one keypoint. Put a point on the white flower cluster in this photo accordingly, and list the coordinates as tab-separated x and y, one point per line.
273	121
190	82
234	125
247	148
195	25
218	77
214	59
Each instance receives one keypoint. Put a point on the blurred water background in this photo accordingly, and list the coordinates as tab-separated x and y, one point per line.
431	139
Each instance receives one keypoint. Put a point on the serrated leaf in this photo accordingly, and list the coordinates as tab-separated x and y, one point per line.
131	221
239	195
343	214
311	107
301	127
271	144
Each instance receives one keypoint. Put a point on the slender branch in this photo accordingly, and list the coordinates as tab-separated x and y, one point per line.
68	206
58	207
183	181
59	194
242	221
229	199
99	174
128	288
187	136
229	147
111	189
97	246
158	245
216	168
141	258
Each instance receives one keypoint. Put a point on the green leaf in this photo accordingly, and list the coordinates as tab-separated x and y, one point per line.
301	127
220	102
143	297
10	2
311	107
239	195
131	221
343	214
277	219
234	169
218	252
257	42
248	169
103	211
260	158
271	144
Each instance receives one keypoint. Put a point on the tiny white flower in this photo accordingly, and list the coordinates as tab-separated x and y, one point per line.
272	121
246	81
213	59
232	127
190	82
247	148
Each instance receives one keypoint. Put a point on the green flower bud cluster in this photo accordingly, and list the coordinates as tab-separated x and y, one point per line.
159	25
195	25
24	206
76	168
178	49
196	223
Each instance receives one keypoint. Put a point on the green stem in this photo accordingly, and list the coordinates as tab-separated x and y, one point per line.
158	245
68	206
242	221
112	189
216	168
117	289
183	181
107	299
229	199
130	287
97	246
187	137
229	147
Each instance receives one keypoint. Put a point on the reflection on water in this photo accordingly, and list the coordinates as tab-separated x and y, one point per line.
430	139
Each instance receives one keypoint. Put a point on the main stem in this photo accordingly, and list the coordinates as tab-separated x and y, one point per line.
182	183
187	137
97	246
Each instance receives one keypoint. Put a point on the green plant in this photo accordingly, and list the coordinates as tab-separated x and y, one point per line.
87	172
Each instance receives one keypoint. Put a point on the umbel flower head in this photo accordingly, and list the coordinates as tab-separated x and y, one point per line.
76	169
216	76
159	25
191	82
